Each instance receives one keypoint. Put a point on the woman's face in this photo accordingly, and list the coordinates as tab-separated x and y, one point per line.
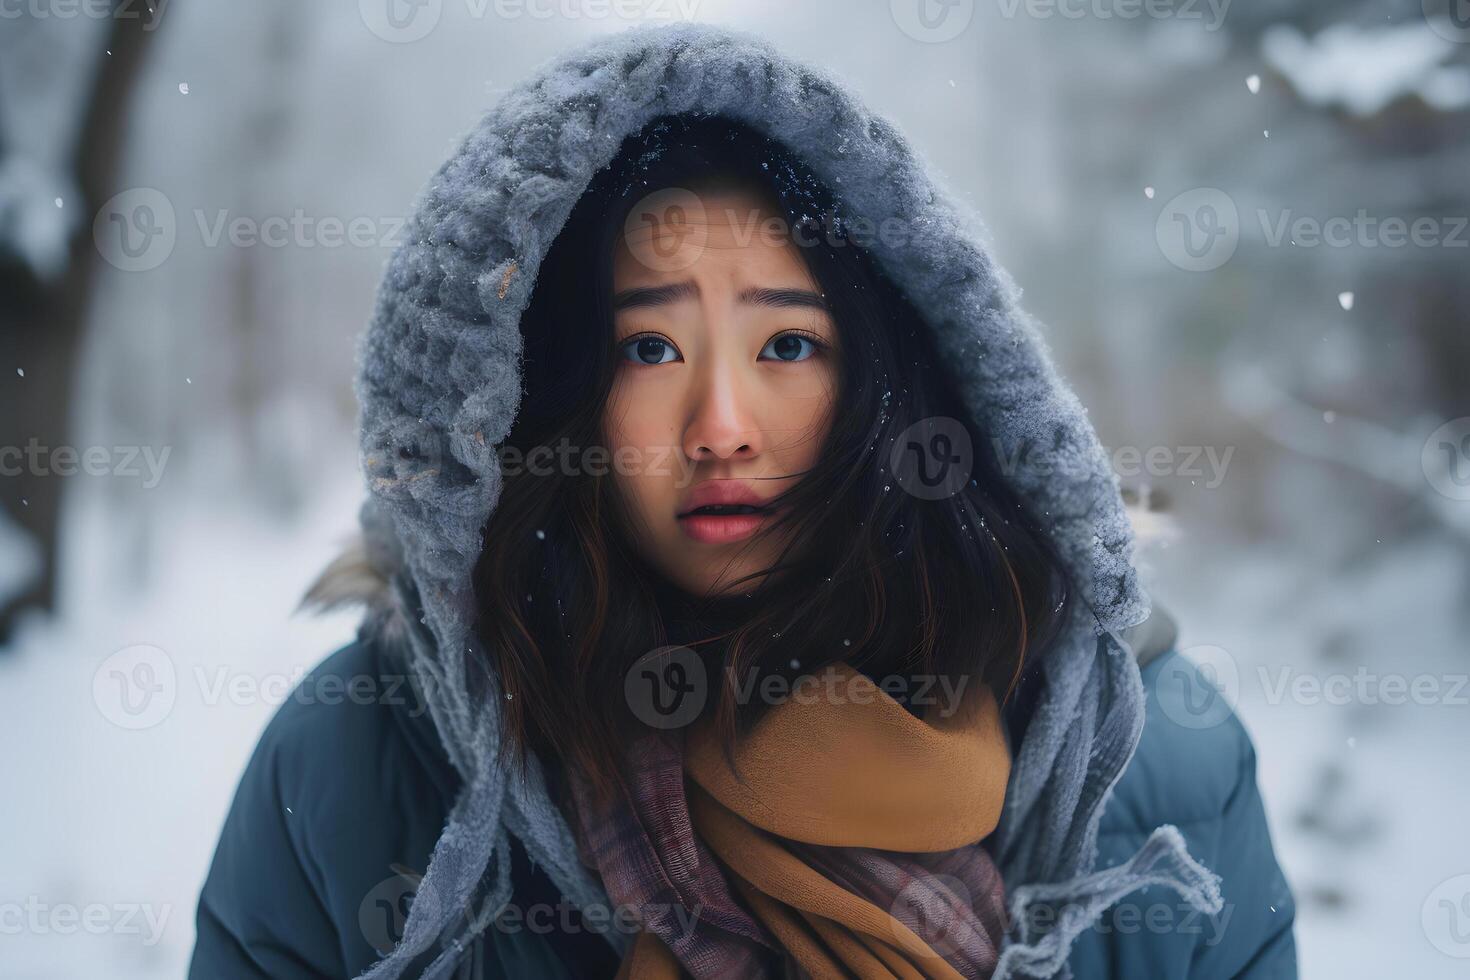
724	385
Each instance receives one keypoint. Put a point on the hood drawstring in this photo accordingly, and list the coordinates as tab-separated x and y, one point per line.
1102	695
1076	904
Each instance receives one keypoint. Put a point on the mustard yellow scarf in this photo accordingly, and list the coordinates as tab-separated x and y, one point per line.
848	828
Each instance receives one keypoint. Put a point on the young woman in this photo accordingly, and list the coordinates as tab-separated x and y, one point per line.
749	596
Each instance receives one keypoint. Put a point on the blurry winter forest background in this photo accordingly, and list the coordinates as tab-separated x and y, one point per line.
1244	225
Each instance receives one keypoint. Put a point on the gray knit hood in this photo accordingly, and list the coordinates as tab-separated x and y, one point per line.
439	385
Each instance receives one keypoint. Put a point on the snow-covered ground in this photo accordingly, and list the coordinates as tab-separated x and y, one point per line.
110	817
1364	780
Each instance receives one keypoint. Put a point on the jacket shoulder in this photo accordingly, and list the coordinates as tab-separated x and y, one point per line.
332	821
1194	755
354	713
1195	768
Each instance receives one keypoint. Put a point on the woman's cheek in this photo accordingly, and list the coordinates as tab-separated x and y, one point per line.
802	414
639	420
625	416
640	442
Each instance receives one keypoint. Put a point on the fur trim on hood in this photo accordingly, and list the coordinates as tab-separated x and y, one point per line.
439	387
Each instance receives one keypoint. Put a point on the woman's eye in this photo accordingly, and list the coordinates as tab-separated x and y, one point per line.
650	350
790	347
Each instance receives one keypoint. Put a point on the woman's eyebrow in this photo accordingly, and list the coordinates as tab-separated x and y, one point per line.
638	296
784	298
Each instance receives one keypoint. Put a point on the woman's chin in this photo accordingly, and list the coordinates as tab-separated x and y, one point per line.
727	581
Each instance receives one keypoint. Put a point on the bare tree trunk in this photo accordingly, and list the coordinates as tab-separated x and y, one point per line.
40	328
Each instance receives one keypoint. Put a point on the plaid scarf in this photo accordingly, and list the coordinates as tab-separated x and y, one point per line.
844	842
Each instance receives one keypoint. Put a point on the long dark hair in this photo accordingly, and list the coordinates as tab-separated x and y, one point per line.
889	581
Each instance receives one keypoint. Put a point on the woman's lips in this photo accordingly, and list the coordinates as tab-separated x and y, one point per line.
721	528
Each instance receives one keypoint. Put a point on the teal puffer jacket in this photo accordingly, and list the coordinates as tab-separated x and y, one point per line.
338	810
1196	769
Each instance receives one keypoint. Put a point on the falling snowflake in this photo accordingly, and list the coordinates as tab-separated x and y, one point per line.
183	88
1148	192
1253	83
1345	300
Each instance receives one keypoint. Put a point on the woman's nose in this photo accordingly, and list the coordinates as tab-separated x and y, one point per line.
723	419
